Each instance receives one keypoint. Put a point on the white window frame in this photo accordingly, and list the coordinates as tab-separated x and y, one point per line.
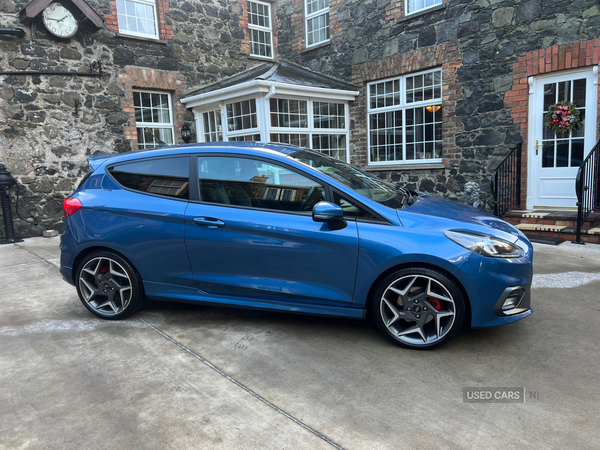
136	33
218	128
264	128
313	15
439	2
221	108
269	30
157	124
403	106
311	130
246	131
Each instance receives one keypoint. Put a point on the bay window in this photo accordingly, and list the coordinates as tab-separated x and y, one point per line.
213	130
282	103
320	125
311	124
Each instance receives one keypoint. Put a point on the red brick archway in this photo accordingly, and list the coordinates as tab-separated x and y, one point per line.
544	61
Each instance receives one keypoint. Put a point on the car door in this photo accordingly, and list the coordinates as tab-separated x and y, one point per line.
143	219
251	235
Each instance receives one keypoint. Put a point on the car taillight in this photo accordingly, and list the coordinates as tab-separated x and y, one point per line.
71	205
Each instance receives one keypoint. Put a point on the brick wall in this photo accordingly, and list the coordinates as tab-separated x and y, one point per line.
160	80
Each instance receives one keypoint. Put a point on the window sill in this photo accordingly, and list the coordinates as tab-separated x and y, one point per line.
316	46
422	12
404	167
141	38
261	58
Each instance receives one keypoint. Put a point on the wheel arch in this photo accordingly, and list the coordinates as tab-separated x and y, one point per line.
422	265
95	248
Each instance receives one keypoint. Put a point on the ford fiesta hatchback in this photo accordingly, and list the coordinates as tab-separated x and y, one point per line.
284	228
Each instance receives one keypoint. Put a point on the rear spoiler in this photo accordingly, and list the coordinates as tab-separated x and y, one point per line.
97	160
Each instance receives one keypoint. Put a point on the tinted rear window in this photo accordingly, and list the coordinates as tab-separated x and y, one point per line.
164	176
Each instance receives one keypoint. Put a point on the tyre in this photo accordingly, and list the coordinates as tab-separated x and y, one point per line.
109	286
418	308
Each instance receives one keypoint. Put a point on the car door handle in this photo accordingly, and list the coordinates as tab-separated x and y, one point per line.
209	222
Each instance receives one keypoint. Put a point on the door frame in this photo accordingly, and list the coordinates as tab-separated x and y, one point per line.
531	123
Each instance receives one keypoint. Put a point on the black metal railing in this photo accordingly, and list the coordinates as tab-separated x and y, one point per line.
587	188
506	183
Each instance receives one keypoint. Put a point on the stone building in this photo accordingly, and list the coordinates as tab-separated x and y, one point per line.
429	93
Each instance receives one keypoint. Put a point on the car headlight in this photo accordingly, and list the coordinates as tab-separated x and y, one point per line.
485	245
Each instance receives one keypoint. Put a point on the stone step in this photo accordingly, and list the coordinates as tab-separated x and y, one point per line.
544	239
588	234
544	217
555	224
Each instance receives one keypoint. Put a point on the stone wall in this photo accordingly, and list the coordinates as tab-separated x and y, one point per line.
486	37
45	140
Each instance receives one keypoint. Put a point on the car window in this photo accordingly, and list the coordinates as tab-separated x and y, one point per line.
351	209
256	184
162	176
358	180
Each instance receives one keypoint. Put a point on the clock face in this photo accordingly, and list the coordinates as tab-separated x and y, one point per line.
60	21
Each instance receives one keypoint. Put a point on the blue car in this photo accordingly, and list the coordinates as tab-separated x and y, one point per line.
283	228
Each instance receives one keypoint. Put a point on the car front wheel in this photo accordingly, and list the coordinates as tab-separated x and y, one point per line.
418	308
109	286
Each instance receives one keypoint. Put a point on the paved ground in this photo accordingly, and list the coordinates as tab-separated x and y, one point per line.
70	381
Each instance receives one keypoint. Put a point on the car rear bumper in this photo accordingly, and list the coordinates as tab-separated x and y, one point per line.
67	274
67	255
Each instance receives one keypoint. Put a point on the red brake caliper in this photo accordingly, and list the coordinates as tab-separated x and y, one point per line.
435	303
102	271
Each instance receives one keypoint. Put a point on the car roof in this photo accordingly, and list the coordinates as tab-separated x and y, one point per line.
254	148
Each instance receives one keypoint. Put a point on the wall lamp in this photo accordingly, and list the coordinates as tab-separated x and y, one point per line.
186	133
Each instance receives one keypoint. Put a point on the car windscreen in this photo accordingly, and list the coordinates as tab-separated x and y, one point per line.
362	182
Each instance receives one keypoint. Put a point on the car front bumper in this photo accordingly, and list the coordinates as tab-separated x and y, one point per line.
489	282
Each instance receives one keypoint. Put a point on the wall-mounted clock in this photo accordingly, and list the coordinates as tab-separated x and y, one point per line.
60	21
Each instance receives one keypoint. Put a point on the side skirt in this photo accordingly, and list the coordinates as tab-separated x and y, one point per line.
180	294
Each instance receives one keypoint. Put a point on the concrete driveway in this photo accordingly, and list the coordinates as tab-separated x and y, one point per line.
197	377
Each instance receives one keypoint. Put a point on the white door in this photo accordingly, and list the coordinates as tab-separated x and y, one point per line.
555	158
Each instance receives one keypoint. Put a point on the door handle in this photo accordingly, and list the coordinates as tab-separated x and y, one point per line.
209	222
537	146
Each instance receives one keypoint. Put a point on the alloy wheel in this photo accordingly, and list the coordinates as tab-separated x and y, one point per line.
105	286
417	310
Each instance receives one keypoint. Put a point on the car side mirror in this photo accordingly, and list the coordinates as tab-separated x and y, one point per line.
327	212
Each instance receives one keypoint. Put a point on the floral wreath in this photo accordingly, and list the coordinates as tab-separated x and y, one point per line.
562	117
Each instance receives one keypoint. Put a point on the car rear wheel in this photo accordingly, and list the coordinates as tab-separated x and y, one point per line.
109	286
418	308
